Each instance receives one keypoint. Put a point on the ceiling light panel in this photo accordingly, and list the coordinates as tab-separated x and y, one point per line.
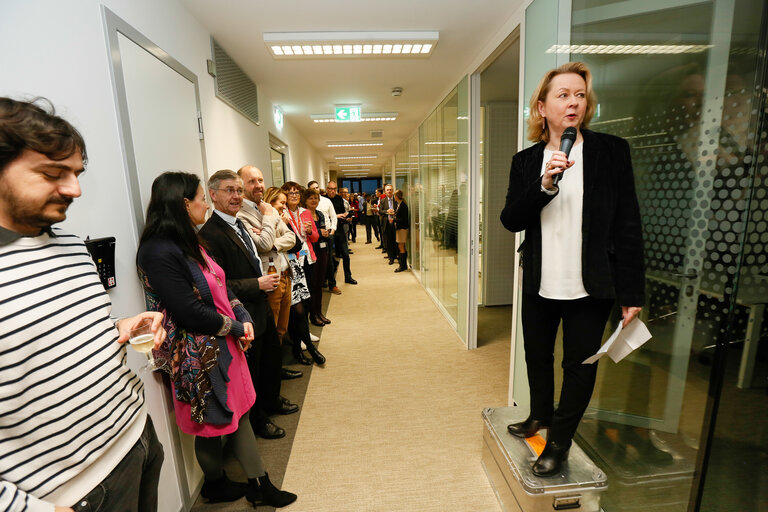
628	48
353	144
355	157
365	117
304	45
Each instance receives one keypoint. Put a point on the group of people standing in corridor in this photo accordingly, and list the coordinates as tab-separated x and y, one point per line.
388	217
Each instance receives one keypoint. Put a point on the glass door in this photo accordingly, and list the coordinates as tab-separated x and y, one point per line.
680	84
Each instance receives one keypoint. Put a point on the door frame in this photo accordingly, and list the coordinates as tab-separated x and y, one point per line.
114	25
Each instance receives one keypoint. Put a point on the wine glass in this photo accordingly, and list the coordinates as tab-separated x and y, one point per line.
142	339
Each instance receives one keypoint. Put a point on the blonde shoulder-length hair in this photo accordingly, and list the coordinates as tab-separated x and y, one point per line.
537	126
271	194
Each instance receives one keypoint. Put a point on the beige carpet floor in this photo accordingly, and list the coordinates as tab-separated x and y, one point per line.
392	422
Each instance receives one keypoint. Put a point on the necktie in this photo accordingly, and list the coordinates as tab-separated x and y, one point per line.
248	244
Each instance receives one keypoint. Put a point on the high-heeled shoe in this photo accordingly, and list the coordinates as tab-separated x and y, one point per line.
551	459
262	492
316	355
222	490
299	356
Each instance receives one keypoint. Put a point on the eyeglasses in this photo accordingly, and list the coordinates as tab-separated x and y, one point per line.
294	193
330	188
231	191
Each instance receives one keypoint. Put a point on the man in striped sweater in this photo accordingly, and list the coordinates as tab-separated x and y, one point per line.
74	432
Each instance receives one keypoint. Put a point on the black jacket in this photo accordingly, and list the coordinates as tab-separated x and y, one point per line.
402	220
612	243
241	272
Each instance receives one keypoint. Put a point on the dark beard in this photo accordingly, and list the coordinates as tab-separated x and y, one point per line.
24	214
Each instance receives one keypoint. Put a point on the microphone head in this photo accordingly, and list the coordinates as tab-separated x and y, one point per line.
569	133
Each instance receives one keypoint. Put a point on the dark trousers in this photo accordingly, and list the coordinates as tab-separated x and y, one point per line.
389	236
352	229
583	325
132	485
341	250
316	279
371	223
382	220
265	362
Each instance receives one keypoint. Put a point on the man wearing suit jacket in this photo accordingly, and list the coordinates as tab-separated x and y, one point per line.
233	248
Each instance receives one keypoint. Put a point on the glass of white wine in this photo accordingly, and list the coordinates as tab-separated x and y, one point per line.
143	340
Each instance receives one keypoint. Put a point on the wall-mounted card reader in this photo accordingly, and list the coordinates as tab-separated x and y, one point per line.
103	253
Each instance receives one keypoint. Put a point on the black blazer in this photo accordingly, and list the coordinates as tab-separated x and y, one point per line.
401	216
612	242
241	271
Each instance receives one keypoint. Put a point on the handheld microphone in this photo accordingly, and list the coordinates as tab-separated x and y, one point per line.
566	143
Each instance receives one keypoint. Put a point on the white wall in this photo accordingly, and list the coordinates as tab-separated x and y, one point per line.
58	50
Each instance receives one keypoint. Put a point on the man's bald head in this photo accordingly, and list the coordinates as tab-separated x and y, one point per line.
253	182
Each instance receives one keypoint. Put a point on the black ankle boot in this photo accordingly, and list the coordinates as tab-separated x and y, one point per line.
527	428
316	355
223	489
403	259
551	459
262	492
299	356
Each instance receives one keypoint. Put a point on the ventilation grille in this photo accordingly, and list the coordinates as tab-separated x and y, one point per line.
233	86
377	134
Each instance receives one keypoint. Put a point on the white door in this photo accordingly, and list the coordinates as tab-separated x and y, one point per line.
158	108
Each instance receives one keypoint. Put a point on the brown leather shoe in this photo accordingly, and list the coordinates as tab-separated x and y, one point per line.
335	290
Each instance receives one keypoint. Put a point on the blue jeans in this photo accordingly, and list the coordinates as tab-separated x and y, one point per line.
132	485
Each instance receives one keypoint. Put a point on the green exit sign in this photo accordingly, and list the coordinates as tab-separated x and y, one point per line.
350	114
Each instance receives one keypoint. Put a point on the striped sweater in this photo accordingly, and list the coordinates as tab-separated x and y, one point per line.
70	408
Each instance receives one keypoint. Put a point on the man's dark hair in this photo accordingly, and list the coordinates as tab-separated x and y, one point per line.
26	125
312	183
167	215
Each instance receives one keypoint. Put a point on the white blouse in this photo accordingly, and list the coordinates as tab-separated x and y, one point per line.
561	223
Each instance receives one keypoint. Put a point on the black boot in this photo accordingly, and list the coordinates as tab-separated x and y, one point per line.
403	259
262	492
223	489
527	428
299	356
551	459
316	355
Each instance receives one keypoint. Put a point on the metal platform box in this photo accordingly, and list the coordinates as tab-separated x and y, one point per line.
507	461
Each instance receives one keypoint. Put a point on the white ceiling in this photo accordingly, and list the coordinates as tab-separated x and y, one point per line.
305	87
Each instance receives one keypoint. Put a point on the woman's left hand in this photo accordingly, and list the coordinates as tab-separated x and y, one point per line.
125	325
247	338
628	313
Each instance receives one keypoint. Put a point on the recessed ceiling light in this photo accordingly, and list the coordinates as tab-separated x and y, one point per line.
284	45
354	157
365	117
628	48
352	144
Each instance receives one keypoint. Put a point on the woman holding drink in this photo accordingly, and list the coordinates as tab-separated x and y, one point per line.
583	250
302	225
208	331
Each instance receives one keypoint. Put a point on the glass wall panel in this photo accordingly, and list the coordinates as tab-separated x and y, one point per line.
408	178
691	121
442	146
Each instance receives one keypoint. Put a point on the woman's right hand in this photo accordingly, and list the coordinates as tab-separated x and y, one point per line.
324	232
556	165
247	338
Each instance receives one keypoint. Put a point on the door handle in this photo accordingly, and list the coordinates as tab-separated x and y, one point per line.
691	274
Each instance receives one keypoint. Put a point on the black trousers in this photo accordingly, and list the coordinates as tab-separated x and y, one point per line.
389	236
265	362
583	325
341	249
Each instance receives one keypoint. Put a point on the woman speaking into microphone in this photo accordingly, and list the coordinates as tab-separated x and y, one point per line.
583	251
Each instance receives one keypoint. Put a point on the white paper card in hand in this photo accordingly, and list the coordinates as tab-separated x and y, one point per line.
622	342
